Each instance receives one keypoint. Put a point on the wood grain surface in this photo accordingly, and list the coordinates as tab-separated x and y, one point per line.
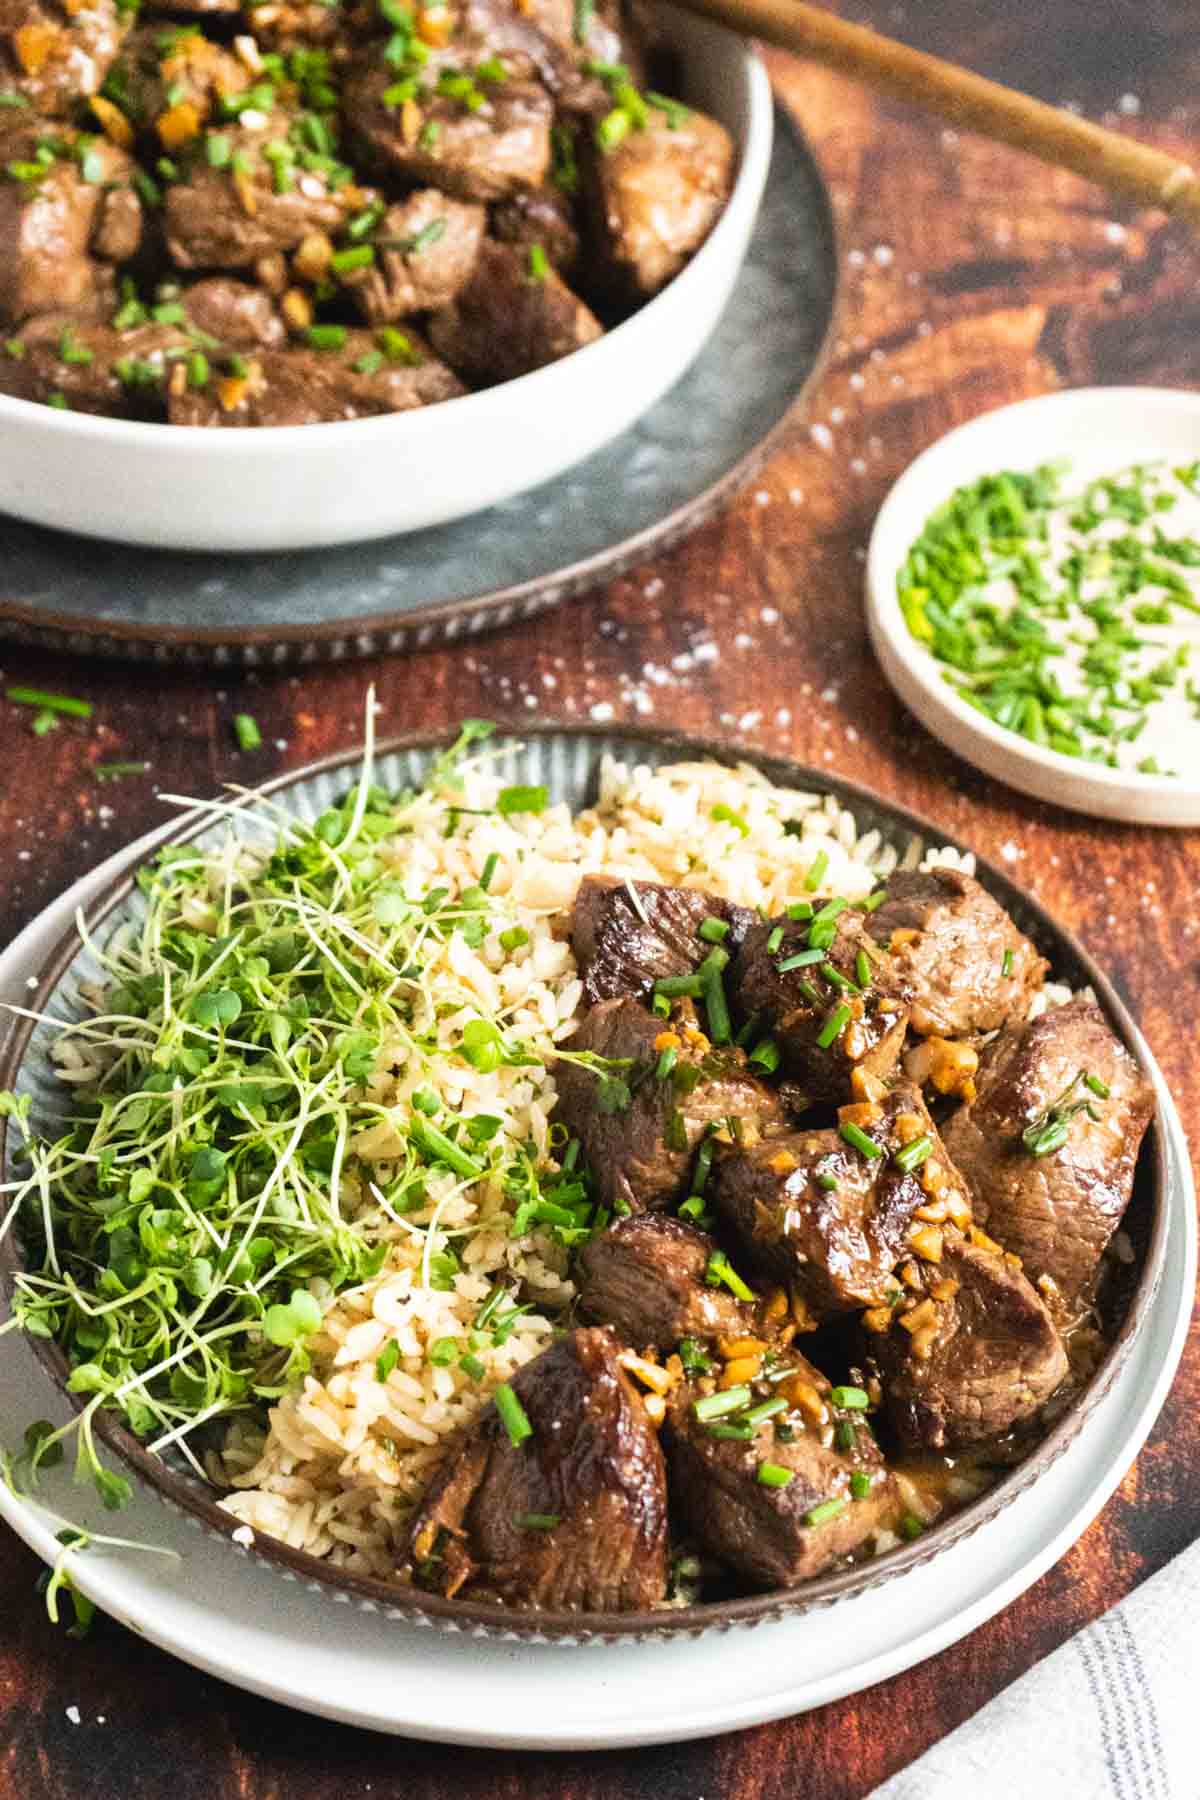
973	276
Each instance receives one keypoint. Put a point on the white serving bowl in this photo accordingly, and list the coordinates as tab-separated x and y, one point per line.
295	487
1096	431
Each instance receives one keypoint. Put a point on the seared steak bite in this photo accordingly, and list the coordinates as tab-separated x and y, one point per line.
836	1011
639	1139
255	203
84	366
169	79
353	379
540	221
65	201
54	55
645	1276
574	1515
971	1352
510	319
627	935
234	313
425	250
1049	1155
483	151
779	1497
655	197
966	966
813	1208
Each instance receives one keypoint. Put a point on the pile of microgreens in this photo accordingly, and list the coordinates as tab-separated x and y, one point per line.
205	1198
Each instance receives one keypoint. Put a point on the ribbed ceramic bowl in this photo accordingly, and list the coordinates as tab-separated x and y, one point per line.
566	761
292	487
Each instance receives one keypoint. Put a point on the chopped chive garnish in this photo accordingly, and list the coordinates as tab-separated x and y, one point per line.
725	815
246	730
514	938
874	901
58	703
862	969
849	1399
911	1527
719	1271
720	1405
703	1165
720	1026
845	1434
800	911
765	1055
828	1509
437	1147
117	771
666	1062
817	871
537	1521
1097	1086
521	800
489	870
774	939
1006	963
774	1475
858	1139
358	256
766	1409
803	959
472	1366
387	1359
326	337
860	1485
836	979
539	263
714	930
677	987
833	1027
737	1431
513	1416
660	1006
912	1155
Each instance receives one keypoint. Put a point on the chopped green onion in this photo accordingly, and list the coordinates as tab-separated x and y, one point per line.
803	959
472	1366
833	1027
913	1154
713	930
860	1485
611	130
765	1055
725	815
677	987
766	1409
59	703
800	911
845	1434
326	337
387	1359
703	1164
774	1475
437	1147
514	938
521	800
1006	963
537	1521
246	730
359	256
539	263
717	1406
828	1509
817	871
862	969
1097	1086
855	1136
849	1399
513	1416
489	870
911	1527
774	939
737	1431
719	1270
666	1062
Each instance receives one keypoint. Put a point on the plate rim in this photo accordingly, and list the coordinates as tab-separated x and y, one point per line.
1123	794
478	1618
486	608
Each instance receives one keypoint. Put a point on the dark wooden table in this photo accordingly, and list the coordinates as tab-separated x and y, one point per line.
973	276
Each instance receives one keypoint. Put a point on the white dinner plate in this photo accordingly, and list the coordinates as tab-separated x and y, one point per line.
235	1618
1097	431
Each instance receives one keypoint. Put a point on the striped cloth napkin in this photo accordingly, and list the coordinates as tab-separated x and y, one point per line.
1113	1715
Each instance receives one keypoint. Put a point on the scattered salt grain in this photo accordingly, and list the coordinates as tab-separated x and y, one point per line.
73	1714
601	712
884	255
1010	851
821	436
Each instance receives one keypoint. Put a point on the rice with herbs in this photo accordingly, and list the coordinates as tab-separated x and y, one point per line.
348	1453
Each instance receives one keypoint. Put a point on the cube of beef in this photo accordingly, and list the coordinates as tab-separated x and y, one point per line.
971	1353
1054	1193
965	965
814	1209
67	201
234	313
646	1277
509	320
168	80
259	199
64	360
782	1498
481	143
54	54
572	1516
654	196
638	1129
541	221
425	251
837	1013
295	386
627	935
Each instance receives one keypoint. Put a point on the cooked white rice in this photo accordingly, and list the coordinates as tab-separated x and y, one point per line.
347	1455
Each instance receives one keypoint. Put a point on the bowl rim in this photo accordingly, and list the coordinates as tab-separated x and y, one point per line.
477	1618
473	410
896	643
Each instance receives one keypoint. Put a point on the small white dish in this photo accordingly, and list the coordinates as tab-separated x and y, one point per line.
1096	430
294	487
232	1616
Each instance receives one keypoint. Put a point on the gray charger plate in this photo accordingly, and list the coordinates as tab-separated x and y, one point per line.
655	483
566	760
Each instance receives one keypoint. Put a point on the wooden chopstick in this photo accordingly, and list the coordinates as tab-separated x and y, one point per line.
1151	177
